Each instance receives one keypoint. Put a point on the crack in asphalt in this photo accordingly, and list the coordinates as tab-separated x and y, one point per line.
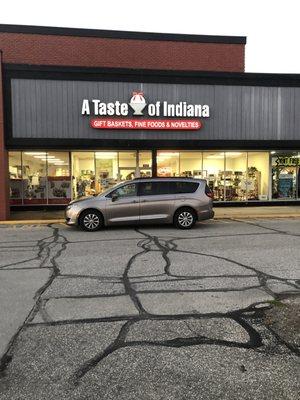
44	246
165	247
51	248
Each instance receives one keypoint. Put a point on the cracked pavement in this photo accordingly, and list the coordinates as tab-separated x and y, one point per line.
148	313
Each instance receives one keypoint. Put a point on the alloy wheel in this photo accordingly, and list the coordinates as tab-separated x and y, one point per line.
91	221
185	219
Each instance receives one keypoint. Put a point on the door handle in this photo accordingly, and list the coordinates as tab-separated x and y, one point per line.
135	201
143	201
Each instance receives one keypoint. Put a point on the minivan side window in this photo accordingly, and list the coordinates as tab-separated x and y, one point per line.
125	191
184	187
153	188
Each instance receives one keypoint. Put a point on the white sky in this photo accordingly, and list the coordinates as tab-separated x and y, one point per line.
272	27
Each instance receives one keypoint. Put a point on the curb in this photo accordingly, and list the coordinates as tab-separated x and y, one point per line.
33	222
256	216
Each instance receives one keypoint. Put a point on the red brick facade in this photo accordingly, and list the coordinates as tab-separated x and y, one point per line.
4	194
121	53
92	51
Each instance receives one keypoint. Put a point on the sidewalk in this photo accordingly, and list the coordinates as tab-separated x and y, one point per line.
47	217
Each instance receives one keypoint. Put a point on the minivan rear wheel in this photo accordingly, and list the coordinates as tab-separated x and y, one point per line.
91	220
185	218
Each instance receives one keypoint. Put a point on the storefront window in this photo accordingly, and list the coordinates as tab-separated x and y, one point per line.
145	164
167	163
40	177
190	164
83	175
15	177
285	175
34	177
258	176
235	176
106	170
59	178
127	165
213	172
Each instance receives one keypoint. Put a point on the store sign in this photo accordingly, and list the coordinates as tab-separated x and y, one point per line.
138	107
126	123
287	161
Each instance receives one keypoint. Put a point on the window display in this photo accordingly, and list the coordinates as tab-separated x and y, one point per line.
106	170
15	177
59	179
34	176
258	175
285	175
167	163
145	164
127	166
190	164
213	172
83	174
235	176
41	177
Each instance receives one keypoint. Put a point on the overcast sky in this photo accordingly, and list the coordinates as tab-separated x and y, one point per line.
272	27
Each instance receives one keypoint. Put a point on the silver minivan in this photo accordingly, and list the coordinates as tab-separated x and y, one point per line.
181	201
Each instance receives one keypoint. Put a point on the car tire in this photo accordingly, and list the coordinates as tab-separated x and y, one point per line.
185	218
91	220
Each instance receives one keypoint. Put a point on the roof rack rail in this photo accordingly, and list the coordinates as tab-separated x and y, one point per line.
165	177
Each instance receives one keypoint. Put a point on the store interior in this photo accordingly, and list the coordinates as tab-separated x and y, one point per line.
40	177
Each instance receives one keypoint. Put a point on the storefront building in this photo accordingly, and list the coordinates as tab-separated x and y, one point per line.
74	124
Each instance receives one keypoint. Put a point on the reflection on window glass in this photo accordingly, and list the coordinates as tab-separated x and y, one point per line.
285	175
213	172
154	188
258	175
59	179
167	163
126	191
235	176
34	177
190	164
15	177
83	164
184	187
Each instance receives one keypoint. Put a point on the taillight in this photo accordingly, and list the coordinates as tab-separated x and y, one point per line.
209	192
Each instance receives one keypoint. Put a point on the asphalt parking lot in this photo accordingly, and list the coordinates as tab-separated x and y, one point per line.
149	312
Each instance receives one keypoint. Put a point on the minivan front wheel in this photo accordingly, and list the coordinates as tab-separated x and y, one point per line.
185	218
91	220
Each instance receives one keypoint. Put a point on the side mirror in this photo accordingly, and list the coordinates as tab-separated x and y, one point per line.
114	197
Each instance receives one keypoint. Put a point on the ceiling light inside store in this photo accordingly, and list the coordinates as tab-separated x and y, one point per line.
35	153
216	156
168	155
273	152
106	155
44	156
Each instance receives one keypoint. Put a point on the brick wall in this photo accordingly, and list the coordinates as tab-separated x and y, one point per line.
4	193
123	53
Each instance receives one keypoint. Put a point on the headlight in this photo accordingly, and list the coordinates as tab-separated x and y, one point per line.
69	207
